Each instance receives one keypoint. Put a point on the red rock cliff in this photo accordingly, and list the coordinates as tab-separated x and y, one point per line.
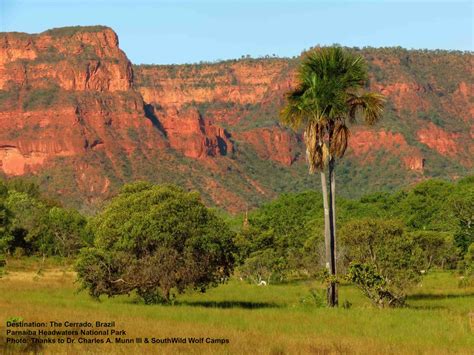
75	113
69	96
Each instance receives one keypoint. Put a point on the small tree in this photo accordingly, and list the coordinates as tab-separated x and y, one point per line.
265	265
27	224
152	239
5	236
68	230
437	248
384	260
276	236
462	204
466	267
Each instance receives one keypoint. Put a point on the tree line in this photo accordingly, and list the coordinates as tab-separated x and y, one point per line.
159	240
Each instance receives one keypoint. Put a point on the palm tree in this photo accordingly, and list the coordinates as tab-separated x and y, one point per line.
329	95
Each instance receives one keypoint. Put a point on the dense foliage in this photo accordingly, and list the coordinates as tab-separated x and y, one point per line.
433	218
31	224
152	239
283	238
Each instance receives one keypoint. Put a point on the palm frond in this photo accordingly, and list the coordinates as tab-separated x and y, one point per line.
340	139
329	80
294	113
316	153
369	105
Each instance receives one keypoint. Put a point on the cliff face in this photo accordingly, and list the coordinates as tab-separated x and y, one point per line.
194	137
65	98
78	117
427	103
83	60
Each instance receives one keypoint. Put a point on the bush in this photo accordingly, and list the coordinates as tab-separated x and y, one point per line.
462	204
5	235
467	268
384	261
373	285
31	224
153	239
282	238
26	224
315	298
68	231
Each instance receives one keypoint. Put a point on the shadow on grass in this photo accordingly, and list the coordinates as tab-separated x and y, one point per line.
228	304
424	307
429	296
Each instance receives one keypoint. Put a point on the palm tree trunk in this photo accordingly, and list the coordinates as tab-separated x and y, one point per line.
332	233
332	165
327	237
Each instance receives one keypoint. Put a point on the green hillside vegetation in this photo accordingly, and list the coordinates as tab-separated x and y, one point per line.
72	30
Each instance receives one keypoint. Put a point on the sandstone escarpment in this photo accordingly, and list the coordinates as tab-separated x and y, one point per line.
244	82
237	93
79	117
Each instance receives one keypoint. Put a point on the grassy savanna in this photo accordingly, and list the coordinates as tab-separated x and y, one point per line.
277	319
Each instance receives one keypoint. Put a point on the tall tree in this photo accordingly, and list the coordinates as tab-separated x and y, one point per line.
329	94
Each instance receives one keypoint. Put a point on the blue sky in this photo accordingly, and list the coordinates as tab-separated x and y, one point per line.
190	31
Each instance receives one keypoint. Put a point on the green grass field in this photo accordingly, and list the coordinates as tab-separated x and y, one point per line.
262	320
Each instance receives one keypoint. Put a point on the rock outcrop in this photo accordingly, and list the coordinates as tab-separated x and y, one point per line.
86	59
67	96
190	134
273	143
368	143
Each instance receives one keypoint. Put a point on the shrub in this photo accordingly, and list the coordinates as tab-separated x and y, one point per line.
282	238
373	285
27	218
462	203
5	220
68	230
467	268
384	260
